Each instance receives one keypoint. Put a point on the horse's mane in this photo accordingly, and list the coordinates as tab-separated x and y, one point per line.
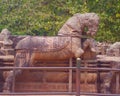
92	16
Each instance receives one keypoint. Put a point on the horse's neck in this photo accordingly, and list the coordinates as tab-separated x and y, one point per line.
73	26
76	41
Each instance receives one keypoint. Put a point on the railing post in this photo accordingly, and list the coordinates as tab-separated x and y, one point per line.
117	82
70	75
78	77
98	77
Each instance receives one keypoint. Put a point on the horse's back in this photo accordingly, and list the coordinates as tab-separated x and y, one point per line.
46	48
43	43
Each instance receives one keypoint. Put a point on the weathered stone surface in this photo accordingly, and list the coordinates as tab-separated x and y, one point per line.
102	47
5	33
105	58
114	49
107	86
15	39
31	49
4	36
78	22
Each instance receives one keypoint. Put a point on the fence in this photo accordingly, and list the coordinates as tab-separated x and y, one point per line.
78	70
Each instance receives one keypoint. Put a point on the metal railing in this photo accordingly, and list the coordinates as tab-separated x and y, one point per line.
78	70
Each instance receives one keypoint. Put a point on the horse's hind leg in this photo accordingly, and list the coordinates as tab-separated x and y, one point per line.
21	60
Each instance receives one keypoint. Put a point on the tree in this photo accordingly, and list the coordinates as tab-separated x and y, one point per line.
46	17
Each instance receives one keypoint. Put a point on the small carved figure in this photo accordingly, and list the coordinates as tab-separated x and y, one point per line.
109	77
5	42
4	37
102	47
66	45
114	49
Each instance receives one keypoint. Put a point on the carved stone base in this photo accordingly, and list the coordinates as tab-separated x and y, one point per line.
50	87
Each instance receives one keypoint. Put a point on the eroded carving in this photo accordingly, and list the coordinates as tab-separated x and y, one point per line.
66	45
114	49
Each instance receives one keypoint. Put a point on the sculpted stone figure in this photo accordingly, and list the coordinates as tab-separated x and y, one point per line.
4	36
5	41
114	49
109	80
66	45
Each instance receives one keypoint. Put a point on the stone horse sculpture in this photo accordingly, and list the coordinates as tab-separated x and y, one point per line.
64	46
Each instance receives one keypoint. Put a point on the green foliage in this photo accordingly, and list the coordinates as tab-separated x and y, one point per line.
108	11
41	17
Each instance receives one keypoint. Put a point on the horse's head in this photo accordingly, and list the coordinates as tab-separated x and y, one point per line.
77	24
91	21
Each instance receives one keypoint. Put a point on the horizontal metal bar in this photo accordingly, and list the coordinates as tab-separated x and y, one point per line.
98	94
42	68
101	69
58	93
39	93
67	68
